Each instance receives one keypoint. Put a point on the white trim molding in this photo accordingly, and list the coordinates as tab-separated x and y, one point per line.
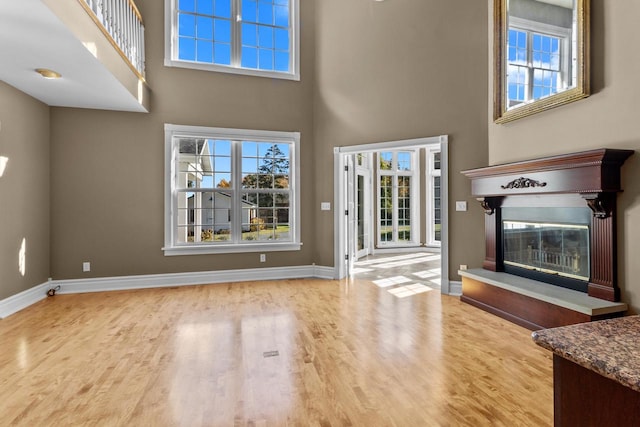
24	299
455	288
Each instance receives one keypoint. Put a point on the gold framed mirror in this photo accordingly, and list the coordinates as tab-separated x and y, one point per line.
541	56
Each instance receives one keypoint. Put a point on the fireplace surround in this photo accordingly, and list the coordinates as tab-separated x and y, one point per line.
553	220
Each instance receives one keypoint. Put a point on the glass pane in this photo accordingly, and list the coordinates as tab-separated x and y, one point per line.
187	49
204	51
386	208
265	59
249	35
186	25
386	160
265	12
265	37
436	209
282	16
187	5
205	7
223	8
404	161
249	11
222	30
222	53
562	249
249	57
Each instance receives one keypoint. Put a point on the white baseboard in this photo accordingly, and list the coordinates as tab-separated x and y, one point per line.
24	299
17	302
455	288
122	283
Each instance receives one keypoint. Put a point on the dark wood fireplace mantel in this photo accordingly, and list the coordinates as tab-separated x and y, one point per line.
590	178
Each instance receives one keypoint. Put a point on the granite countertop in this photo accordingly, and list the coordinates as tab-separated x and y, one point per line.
609	347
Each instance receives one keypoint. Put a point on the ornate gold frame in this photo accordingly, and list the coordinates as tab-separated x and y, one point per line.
582	88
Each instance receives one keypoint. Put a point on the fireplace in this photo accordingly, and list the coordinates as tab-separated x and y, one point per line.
554	219
550	239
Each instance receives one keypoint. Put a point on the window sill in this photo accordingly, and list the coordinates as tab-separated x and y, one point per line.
229	249
231	70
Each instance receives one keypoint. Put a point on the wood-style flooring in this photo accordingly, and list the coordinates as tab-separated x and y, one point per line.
277	353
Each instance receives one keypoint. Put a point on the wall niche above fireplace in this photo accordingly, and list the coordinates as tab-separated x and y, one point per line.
553	219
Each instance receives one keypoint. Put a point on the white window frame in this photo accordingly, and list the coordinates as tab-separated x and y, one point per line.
564	34
432	173
171	246
415	196
171	45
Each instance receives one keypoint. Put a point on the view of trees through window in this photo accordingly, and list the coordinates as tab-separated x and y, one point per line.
212	208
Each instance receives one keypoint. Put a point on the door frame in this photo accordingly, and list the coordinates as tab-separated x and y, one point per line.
341	266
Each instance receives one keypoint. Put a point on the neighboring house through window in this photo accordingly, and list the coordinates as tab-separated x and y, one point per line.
256	37
230	190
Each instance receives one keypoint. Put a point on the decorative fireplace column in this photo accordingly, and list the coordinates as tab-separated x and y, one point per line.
590	178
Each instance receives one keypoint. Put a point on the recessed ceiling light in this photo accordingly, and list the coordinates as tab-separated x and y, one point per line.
48	74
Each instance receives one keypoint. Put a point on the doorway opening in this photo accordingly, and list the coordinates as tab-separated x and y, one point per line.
391	198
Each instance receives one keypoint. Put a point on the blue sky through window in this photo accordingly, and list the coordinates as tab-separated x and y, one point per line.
533	62
205	33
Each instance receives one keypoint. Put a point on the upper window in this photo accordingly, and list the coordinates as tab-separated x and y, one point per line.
256	37
230	190
537	61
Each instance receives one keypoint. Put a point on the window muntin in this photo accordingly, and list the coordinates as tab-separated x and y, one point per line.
231	190
537	61
257	37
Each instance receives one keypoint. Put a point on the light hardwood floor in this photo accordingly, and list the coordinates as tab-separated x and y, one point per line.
349	353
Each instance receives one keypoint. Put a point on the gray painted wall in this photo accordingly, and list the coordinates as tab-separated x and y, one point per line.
24	190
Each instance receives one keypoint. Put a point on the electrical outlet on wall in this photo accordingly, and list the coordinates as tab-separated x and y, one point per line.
86	266
263	258
463	266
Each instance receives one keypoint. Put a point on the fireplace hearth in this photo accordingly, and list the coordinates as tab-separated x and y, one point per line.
553	220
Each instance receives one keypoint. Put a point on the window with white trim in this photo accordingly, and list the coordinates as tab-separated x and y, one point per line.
255	37
434	180
538	63
230	190
398	217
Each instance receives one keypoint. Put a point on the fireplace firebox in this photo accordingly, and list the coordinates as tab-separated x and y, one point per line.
550	244
552	220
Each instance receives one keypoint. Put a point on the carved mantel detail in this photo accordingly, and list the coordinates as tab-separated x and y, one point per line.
489	204
599	205
523	182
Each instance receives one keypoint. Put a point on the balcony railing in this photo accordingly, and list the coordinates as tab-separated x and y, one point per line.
121	20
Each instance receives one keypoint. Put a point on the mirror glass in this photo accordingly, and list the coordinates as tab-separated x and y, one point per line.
541	54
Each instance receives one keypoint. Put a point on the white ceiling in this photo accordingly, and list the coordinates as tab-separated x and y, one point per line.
31	37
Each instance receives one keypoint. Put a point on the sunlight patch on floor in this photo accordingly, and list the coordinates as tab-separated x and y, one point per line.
426	274
391	281
409	290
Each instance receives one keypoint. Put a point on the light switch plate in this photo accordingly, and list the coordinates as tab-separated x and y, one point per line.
461	206
325	206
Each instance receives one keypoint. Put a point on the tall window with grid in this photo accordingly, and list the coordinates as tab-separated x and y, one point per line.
258	37
397	187
230	190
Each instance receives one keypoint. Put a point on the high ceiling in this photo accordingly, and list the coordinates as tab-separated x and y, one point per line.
31	36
